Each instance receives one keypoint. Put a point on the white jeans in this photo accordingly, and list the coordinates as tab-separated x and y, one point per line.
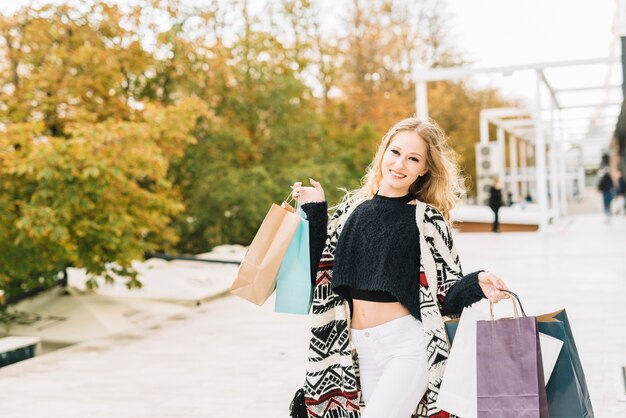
393	367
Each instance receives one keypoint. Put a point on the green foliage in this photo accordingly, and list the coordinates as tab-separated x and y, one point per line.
162	126
98	199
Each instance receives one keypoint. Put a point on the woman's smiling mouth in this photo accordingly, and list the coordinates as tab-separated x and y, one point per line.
397	175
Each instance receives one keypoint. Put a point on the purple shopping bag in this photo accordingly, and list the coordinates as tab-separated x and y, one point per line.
509	370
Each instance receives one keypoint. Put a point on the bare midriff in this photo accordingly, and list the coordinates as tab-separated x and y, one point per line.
366	314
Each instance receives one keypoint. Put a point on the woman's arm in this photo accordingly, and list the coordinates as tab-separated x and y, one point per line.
464	292
316	209
472	288
317	215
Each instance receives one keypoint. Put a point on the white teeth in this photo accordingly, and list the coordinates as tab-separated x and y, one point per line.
395	174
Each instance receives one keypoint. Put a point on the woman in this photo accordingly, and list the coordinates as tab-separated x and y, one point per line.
495	203
386	271
605	185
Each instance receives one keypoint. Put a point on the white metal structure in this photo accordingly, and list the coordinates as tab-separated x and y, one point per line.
539	129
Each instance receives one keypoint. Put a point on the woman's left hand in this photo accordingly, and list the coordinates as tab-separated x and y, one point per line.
492	286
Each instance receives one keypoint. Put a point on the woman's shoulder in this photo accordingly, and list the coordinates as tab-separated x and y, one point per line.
434	217
430	209
343	210
349	206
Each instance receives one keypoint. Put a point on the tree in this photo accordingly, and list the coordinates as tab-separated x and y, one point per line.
170	126
266	128
84	162
97	200
387	41
456	107
68	65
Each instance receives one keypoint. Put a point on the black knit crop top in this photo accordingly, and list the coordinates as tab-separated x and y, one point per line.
378	251
371	295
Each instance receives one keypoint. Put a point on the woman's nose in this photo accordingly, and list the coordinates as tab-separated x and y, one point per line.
399	164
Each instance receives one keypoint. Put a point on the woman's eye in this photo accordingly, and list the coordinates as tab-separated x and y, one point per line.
395	152
415	159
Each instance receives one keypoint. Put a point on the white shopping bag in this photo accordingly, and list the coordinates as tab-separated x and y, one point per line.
458	392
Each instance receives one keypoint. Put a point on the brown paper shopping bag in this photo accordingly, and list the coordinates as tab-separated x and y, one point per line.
256	278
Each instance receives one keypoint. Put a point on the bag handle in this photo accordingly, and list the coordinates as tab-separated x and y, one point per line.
515	298
298	209
288	198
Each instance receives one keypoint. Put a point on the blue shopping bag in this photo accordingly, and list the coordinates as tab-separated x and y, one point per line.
568	394
294	291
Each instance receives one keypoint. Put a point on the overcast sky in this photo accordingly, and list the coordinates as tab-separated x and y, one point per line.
511	32
500	32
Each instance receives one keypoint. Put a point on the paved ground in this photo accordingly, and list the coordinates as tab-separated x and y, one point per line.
230	358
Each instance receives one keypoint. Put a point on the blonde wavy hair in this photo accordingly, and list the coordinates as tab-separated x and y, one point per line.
441	187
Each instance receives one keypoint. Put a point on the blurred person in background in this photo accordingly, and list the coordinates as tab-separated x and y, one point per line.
620	191
495	203
385	273
605	186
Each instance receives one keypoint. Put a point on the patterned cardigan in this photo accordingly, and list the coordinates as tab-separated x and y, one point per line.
331	388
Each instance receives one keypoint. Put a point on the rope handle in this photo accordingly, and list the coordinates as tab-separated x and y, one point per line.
290	198
515	298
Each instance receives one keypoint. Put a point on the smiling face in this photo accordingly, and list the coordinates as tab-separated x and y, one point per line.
403	162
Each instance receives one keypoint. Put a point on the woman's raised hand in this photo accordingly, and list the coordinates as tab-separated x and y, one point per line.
491	286
308	194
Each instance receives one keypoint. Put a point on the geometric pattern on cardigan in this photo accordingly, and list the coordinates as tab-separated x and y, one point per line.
332	388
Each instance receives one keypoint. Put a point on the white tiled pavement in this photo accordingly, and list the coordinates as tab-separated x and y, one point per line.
232	359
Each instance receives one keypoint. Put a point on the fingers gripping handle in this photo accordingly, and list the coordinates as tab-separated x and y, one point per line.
289	198
515	311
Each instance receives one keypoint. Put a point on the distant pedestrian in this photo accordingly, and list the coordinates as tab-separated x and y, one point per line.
495	203
605	186
576	191
620	191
